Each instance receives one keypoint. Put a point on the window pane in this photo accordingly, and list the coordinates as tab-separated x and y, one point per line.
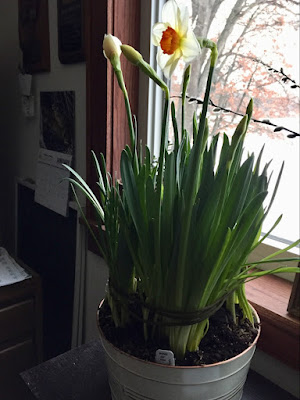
254	38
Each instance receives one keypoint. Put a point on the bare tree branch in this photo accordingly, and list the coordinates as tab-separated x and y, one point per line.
218	108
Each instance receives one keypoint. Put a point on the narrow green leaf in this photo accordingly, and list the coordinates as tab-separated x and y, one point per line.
195	127
86	222
131	193
275	189
90	197
175	127
268	233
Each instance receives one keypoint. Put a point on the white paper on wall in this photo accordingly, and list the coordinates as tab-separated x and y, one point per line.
52	189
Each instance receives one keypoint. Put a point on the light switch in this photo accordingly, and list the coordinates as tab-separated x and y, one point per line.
28	106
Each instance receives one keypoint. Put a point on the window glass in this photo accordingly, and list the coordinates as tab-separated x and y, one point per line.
258	44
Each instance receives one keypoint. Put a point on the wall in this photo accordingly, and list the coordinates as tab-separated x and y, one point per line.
19	139
61	77
20	135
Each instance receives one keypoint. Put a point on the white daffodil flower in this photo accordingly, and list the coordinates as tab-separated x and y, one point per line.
174	37
111	46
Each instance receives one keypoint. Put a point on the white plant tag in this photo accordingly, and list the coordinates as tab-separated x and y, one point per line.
165	357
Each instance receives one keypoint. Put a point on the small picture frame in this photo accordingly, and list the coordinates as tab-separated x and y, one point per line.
70	25
57	113
33	24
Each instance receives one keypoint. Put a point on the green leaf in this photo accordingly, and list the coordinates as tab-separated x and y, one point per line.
279	270
195	127
180	164
104	172
83	185
275	189
98	244
224	155
147	161
277	253
239	132
268	233
168	208
238	194
131	194
89	196
175	128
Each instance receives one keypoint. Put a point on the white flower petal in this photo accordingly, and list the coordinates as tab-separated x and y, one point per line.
169	14
162	58
174	58
190	47
168	63
169	69
157	32
111	46
183	20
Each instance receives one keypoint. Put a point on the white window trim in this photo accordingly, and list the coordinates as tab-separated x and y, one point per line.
149	127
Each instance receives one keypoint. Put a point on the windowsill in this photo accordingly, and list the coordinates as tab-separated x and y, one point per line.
280	331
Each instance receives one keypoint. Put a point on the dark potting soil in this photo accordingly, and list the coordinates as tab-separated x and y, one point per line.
223	340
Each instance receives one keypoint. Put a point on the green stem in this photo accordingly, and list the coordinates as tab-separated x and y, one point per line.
163	143
160	181
178	337
213	57
121	83
190	185
230	305
186	79
244	304
197	333
175	129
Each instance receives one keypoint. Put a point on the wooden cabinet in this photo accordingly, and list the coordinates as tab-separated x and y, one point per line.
20	332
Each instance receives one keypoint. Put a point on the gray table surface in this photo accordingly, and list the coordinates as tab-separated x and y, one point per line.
80	374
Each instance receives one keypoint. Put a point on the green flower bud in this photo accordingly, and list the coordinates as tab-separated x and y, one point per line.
131	54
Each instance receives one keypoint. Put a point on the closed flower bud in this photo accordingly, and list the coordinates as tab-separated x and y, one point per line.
111	47
131	54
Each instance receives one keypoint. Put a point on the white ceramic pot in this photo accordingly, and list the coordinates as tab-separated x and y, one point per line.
131	378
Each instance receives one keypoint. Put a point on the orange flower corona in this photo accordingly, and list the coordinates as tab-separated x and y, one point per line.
170	41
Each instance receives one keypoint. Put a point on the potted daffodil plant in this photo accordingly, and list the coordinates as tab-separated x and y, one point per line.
176	233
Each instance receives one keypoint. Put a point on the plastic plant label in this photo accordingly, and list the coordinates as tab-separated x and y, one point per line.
165	357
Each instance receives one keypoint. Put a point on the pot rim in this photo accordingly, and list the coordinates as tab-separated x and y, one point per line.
182	366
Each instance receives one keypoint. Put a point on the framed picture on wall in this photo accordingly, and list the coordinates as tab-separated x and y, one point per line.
57	122
70	20
33	24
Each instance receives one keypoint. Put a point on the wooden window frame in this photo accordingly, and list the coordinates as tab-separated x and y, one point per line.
107	128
